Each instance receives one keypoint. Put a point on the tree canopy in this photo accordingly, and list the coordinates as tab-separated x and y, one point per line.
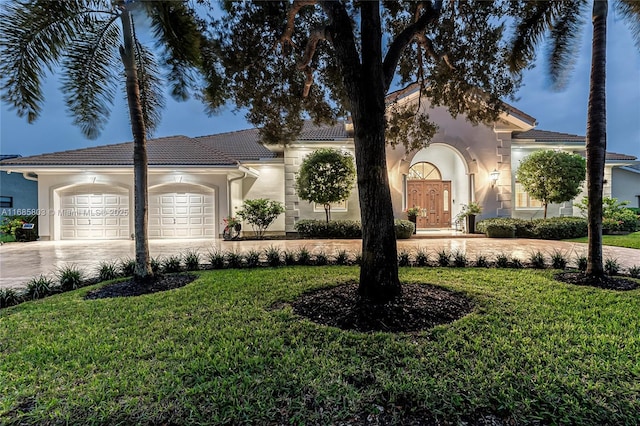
326	176
552	176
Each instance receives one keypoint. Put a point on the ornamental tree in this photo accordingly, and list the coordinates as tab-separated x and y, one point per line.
321	59
326	176
260	213
552	176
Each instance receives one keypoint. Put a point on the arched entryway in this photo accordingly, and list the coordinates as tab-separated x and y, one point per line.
430	194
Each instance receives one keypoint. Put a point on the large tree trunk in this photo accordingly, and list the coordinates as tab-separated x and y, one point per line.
143	264
596	137
379	269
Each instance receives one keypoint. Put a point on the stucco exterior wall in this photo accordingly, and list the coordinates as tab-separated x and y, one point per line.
268	185
626	186
23	191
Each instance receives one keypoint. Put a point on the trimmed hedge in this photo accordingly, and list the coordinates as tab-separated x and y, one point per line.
555	228
340	229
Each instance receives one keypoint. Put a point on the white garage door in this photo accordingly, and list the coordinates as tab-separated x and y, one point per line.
93	213
181	211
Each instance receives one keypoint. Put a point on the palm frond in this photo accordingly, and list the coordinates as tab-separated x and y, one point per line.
176	30
150	83
91	75
33	38
630	11
564	43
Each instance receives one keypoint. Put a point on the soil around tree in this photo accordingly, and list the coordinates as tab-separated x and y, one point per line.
605	282
132	287
419	307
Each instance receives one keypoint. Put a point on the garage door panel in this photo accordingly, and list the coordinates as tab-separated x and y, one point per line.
91	214
186	213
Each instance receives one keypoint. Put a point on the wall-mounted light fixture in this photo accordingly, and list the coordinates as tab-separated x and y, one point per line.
493	177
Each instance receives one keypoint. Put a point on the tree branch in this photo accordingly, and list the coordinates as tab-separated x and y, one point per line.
431	14
315	36
285	38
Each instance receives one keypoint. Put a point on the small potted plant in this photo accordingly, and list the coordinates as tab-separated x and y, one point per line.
469	212
232	228
412	214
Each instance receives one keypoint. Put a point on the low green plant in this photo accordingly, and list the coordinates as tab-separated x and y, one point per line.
321	258
127	267
502	260
516	263
459	259
404	258
558	259
582	263
634	271
156	265
172	264
338	229
216	259
555	228
404	229
69	277
39	287
444	257
357	258
303	256
108	270
9	297
611	266
342	257
273	256
260	213
252	258
191	260
290	257
482	261
536	259
422	257
500	231
234	259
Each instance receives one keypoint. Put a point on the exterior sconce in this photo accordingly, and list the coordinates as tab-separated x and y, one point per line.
493	177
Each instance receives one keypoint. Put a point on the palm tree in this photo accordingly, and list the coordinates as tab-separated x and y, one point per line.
561	21
93	42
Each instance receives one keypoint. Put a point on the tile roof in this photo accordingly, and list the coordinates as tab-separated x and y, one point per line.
242	145
547	136
173	150
311	132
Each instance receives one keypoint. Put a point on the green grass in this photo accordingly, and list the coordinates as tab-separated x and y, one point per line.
214	352
630	240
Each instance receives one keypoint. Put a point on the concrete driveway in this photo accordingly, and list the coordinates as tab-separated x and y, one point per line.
19	262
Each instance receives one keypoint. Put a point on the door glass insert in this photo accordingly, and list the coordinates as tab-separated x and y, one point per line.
424	171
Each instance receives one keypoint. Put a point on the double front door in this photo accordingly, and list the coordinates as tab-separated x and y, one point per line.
433	199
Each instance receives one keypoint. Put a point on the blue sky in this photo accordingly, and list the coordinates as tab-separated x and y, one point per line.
564	111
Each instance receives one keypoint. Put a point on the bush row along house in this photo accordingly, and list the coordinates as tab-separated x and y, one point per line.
195	182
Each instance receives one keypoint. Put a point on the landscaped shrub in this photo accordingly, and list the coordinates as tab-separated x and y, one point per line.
234	259
127	267
616	217
459	259
273	256
321	258
303	256
555	228
156	265
634	271
481	261
9	297
69	277
403	258
516	263
107	271
404	229
502	260
342	257
422	257
260	213
39	287
191	260
611	266
216	259
252	258
558	260
308	228
443	257
582	262
290	257
496	230
536	259
172	264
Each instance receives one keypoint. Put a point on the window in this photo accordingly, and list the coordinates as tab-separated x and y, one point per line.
340	206
6	202
523	200
424	171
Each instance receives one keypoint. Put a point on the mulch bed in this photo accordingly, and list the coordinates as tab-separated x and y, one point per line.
606	282
136	288
419	307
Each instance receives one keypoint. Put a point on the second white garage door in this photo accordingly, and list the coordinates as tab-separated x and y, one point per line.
181	211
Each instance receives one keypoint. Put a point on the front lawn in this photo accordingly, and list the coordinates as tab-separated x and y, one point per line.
226	350
630	240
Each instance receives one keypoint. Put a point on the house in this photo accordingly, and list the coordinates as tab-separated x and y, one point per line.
18	191
195	182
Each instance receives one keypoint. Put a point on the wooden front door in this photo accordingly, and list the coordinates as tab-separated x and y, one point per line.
433	198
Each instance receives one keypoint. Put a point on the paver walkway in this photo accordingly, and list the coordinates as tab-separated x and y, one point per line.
19	262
